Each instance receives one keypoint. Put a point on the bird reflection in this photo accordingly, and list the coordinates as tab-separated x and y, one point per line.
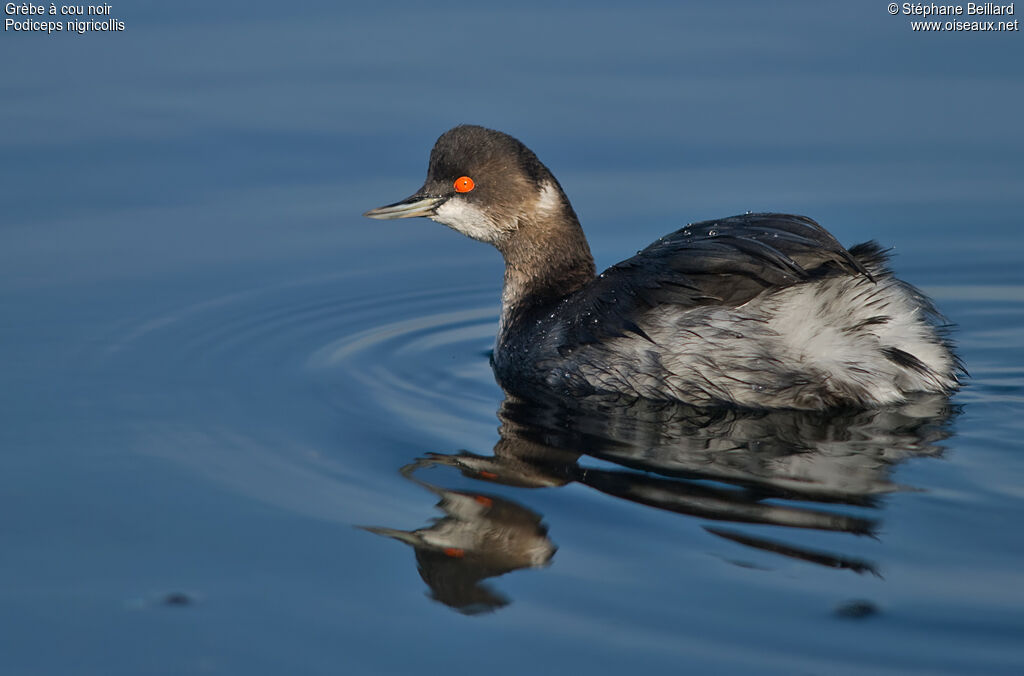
786	468
481	536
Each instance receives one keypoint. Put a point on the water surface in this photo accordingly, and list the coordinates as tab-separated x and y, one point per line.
244	430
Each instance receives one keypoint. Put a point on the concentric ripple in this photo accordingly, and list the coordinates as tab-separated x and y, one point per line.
430	369
307	395
416	358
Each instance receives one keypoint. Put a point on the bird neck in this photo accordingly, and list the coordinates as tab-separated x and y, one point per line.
546	259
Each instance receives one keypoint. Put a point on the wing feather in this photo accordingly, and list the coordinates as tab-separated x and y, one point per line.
723	262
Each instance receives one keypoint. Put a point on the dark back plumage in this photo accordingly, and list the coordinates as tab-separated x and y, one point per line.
725	262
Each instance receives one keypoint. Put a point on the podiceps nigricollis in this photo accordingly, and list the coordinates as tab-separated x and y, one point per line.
757	310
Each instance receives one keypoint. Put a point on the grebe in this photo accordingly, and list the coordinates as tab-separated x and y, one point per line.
759	310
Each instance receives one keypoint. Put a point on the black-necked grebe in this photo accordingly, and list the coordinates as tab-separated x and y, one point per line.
757	310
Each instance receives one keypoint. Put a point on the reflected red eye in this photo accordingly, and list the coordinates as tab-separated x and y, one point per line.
464	184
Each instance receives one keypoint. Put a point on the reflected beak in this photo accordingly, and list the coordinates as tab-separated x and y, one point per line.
416	205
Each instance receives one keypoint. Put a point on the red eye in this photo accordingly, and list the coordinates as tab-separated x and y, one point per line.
464	184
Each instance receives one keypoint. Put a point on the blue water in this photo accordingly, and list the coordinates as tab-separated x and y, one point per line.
244	430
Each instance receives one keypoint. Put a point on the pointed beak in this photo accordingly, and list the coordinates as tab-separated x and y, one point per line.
419	204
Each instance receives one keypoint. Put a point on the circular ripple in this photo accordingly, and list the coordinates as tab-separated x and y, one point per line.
416	358
307	395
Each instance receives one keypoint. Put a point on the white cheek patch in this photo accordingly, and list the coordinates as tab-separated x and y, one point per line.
458	214
548	204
